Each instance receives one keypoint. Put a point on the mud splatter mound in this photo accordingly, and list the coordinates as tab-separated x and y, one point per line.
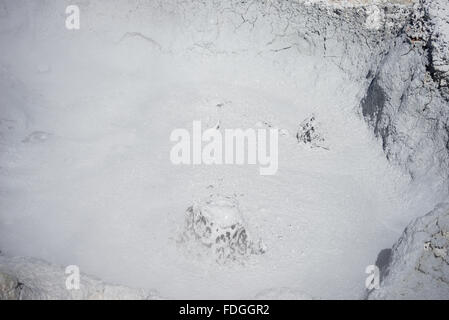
217	226
311	134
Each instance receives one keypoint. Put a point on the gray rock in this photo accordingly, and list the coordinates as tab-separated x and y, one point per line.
406	103
33	279
10	287
419	263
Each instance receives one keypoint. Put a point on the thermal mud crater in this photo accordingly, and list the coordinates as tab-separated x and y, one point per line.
357	89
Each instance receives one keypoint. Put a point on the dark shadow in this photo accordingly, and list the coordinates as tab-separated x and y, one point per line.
383	262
